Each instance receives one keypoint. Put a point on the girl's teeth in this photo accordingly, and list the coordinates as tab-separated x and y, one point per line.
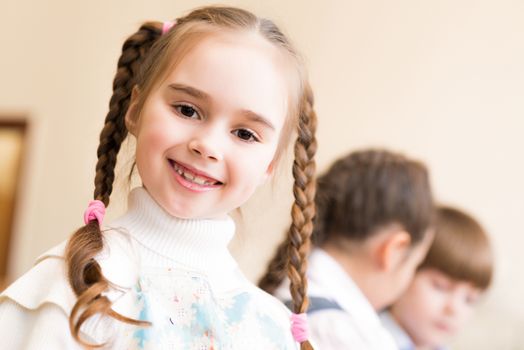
199	180
191	177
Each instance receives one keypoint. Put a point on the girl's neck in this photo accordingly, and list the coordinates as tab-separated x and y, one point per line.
358	267
424	347
200	243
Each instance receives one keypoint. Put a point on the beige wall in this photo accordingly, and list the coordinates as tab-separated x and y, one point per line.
439	80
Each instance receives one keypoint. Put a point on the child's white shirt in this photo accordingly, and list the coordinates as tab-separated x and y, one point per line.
401	337
353	324
176	273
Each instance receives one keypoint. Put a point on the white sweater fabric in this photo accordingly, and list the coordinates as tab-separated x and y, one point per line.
176	273
353	323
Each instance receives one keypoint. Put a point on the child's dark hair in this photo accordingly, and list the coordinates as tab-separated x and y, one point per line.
146	56
361	193
461	248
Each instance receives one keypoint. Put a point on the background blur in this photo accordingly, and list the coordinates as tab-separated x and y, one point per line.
442	81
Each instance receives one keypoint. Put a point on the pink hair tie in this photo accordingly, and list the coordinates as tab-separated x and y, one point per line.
95	211
166	27
299	327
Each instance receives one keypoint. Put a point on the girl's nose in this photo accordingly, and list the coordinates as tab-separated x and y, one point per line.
453	304
205	146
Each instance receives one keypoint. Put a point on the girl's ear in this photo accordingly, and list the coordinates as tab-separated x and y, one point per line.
131	117
393	250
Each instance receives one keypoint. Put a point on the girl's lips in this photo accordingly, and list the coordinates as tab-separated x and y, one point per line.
191	185
443	327
195	171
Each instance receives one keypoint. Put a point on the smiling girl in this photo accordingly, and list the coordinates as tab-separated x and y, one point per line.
212	101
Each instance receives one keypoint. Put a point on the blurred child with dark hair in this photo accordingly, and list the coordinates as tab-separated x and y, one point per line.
372	229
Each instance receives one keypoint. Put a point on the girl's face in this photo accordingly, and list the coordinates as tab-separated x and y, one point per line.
435	307
207	135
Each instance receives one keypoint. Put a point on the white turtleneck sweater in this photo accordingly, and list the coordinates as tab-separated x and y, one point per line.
177	274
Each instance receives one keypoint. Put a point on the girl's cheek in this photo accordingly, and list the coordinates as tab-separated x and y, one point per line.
434	298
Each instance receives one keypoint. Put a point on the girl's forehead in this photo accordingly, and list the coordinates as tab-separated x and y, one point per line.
237	71
430	273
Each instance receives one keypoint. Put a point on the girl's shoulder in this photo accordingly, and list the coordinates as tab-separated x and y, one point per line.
33	310
267	299
265	318
45	282
268	306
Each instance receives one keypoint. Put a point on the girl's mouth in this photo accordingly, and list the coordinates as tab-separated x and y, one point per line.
192	179
443	327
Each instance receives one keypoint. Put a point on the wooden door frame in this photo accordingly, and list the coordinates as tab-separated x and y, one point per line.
21	124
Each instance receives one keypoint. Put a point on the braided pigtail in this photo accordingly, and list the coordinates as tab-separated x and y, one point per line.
291	255
276	270
84	273
303	209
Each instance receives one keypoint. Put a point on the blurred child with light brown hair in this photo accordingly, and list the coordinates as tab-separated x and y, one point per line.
447	286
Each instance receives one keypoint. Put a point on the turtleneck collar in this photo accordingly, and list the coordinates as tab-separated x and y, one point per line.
198	243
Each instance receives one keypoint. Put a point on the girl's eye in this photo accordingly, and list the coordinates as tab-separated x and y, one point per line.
187	111
470	300
440	285
472	297
245	135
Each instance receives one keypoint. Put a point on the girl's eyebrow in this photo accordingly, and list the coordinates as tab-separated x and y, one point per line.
190	91
254	117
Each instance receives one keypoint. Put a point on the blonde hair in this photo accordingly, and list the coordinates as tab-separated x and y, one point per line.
146	57
461	248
